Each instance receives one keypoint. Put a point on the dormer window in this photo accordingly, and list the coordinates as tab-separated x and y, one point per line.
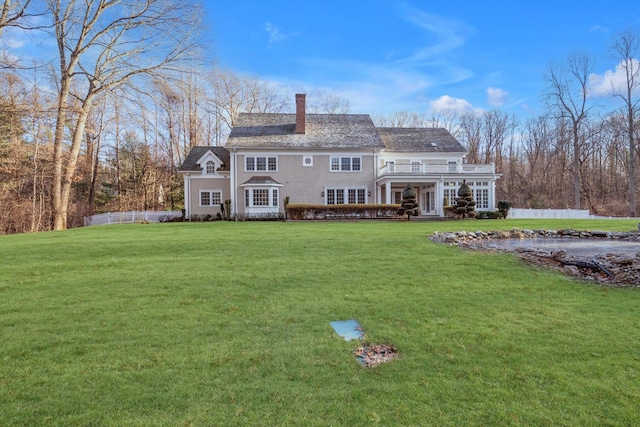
210	167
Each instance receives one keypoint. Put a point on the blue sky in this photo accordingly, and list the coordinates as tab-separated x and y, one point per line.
386	55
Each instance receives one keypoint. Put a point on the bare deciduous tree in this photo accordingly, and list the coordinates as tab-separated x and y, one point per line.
234	94
568	97
625	49
324	102
12	13
102	45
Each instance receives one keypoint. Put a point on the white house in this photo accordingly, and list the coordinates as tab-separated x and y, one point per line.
329	159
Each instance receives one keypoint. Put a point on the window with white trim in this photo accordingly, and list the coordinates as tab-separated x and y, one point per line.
356	195
261	197
210	197
479	190
346	164
339	196
260	163
481	194
210	167
450	193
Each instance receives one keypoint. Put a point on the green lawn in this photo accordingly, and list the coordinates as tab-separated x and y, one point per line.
228	324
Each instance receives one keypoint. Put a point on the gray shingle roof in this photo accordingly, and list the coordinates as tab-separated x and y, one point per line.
260	180
270	130
194	155
427	140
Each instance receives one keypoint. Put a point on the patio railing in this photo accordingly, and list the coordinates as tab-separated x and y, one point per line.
424	169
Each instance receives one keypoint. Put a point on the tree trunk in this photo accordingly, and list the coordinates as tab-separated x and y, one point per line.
632	170
59	208
576	165
72	162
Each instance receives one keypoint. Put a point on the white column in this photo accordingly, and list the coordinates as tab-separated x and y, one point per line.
387	192
492	195
233	191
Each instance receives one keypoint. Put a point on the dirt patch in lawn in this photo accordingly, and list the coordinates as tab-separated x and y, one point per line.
371	355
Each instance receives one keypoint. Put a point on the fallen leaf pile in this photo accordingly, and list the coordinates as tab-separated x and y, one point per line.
374	354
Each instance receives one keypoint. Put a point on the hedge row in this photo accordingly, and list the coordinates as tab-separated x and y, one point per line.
297	211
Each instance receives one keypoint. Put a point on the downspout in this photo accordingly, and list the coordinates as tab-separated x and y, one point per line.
187	196
234	180
375	176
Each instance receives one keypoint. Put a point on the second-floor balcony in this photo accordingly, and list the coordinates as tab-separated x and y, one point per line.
427	169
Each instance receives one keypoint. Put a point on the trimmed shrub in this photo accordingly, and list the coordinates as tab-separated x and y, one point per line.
298	211
489	215
409	205
503	207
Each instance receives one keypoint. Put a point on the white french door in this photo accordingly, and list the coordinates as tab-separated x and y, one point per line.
428	205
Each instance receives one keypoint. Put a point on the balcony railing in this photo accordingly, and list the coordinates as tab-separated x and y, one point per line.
425	169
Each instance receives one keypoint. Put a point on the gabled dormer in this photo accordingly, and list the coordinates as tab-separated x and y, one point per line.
208	161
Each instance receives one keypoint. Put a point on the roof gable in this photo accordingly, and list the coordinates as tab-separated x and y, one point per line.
198	155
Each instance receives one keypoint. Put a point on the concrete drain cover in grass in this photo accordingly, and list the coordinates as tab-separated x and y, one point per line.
371	355
348	329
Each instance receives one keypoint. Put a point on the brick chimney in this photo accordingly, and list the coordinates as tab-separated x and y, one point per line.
300	112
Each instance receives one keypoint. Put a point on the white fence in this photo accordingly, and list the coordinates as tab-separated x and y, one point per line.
131	216
550	214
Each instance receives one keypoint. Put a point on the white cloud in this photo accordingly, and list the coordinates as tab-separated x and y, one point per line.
496	96
598	28
449	35
612	81
448	103
274	33
14	43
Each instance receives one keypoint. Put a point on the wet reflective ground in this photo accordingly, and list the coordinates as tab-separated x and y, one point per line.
582	247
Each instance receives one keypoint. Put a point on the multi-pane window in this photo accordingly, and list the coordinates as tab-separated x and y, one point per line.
450	193
260	163
205	198
346	164
338	196
260	197
210	197
210	167
482	198
480	191
265	197
481	194
335	196
356	195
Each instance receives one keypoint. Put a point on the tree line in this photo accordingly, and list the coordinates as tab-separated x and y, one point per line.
582	152
102	117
